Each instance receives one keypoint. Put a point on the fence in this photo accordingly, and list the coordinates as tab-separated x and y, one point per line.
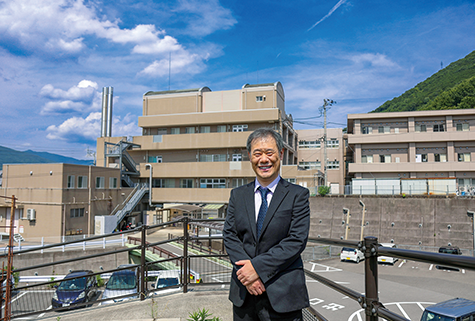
164	264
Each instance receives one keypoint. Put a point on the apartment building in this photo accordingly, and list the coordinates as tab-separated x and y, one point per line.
414	145
311	153
193	142
56	200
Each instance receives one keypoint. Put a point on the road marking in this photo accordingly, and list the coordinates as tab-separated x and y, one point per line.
315	301
463	271
430	267
325	268
402	311
19	296
401	264
338	282
42	314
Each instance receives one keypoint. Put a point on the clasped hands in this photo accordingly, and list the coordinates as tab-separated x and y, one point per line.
249	278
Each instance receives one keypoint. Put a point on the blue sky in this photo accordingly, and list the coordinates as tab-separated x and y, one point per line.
56	55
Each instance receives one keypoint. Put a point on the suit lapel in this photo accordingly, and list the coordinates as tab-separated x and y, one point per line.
250	208
279	195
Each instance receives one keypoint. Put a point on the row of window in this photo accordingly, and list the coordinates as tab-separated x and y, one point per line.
318	165
76	212
201	129
420	158
203	158
82	182
418	128
331	143
203	183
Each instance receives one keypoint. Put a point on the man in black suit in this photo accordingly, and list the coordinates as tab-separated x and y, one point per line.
265	231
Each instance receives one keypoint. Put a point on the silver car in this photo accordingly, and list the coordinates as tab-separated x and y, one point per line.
121	286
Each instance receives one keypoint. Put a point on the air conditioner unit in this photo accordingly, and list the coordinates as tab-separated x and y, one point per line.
31	214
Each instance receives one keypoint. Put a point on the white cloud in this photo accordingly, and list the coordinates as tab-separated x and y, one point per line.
181	62
376	60
60	26
328	14
206	16
61	107
82	92
77	129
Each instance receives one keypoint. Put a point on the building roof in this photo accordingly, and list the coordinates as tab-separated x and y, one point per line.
179	91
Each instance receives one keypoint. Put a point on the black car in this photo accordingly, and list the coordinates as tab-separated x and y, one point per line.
449	250
77	287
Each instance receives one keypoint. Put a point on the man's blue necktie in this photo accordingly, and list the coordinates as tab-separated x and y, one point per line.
262	209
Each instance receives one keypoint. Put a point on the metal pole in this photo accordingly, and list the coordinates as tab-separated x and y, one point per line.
347	227
150	185
471	214
362	219
185	272
142	264
371	277
10	262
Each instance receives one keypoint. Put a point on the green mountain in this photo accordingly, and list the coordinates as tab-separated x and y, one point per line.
450	88
11	156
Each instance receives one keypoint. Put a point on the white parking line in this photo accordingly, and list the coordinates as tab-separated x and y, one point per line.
402	262
42	314
325	268
430	267
402	311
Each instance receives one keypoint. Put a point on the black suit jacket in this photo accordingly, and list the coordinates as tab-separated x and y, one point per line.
276	254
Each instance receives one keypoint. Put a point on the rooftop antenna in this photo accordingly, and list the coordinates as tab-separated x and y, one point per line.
91	153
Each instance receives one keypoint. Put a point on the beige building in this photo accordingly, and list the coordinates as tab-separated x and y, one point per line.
431	145
311	153
58	199
193	144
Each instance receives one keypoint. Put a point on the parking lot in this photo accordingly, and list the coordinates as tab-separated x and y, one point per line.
405	288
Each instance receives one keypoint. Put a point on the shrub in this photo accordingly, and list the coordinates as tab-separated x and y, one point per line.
323	190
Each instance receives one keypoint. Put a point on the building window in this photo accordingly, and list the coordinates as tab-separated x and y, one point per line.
187	183
239	128
237	157
313	144
421	158
421	128
260	98
385	158
310	165
213	158
155	159
82	181
239	182
175	131
190	130
71	181
76	212
205	129
291	180
333	165
439	128
221	128
163	183
212	183
366	130
463	127
333	143
384	129
464	157
367	159
161	131
112	182
100	182
440	158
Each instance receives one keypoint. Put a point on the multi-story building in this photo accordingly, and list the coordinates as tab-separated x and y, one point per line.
311	153
193	146
55	200
431	145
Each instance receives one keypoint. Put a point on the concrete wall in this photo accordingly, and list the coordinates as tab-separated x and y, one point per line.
435	214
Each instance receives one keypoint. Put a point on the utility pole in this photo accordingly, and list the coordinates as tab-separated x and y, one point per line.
326	105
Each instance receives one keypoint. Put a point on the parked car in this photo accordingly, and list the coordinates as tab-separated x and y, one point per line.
351	254
449	250
81	289
167	278
451	310
121	283
4	285
387	259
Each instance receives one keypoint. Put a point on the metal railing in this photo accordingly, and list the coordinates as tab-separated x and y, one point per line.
371	248
36	291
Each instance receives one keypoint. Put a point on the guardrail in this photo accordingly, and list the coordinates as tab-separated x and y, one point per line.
371	249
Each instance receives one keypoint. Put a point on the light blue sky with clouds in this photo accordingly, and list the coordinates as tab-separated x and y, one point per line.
56	55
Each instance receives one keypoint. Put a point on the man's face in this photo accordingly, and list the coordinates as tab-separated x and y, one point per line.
265	159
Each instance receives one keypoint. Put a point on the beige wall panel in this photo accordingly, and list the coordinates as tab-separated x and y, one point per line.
19	175
203	169
410	167
165	105
191	195
250	99
196	119
222	101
